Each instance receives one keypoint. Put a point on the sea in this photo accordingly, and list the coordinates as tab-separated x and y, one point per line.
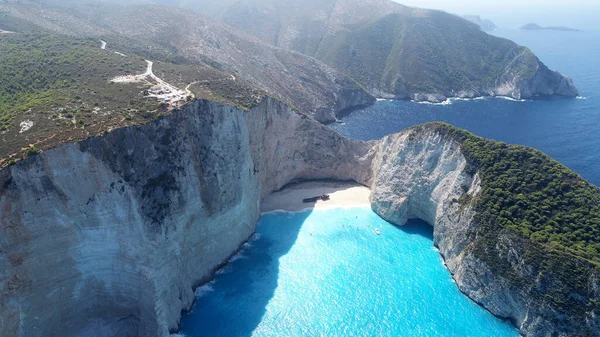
567	129
328	273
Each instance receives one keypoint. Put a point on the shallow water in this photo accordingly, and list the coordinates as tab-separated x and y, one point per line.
566	129
304	274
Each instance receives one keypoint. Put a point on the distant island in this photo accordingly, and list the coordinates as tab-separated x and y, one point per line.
484	24
534	26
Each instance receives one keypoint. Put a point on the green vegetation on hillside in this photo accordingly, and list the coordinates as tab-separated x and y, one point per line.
39	71
60	85
387	47
548	209
211	84
533	195
439	54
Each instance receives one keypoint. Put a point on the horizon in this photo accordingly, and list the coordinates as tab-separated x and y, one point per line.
579	14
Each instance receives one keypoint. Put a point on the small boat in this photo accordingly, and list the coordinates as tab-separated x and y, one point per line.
323	197
377	231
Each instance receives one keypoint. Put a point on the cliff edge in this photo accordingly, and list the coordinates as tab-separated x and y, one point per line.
504	219
113	233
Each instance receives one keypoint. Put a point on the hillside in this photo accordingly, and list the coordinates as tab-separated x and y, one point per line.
484	24
183	36
398	51
57	89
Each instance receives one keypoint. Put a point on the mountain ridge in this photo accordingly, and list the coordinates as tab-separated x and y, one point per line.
485	24
400	52
390	50
305	83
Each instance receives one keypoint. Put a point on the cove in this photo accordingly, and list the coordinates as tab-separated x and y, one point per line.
328	273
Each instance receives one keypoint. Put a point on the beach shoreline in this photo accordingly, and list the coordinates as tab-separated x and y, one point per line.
342	195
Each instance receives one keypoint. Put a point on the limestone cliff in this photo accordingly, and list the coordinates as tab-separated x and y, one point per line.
108	237
424	173
538	81
397	51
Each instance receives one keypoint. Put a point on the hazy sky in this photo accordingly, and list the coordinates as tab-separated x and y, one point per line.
583	14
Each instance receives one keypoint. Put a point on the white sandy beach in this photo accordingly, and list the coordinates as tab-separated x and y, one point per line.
342	194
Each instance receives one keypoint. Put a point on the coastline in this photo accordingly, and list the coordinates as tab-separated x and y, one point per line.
451	99
289	200
342	195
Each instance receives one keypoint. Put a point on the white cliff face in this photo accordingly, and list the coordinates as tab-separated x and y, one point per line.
108	237
422	175
543	82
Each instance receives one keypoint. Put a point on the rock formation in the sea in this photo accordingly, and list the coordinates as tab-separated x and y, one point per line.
485	24
109	236
535	26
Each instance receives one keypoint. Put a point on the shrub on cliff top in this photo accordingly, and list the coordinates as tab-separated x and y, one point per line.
529	193
550	212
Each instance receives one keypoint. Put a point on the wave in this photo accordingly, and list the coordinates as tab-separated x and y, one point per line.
581	97
205	289
467	99
511	99
239	255
446	102
450	100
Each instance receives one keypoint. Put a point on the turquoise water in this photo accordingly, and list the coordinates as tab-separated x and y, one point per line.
327	273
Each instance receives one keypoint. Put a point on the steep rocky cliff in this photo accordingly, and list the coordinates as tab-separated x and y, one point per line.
108	237
430	173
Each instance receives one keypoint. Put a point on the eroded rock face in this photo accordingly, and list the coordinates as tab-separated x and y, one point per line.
108	237
423	174
543	83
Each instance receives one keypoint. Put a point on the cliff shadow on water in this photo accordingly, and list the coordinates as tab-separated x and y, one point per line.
216	311
418	227
235	302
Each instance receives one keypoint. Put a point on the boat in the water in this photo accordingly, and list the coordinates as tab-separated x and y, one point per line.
377	231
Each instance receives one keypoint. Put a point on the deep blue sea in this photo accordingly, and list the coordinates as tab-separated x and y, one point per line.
327	273
566	129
